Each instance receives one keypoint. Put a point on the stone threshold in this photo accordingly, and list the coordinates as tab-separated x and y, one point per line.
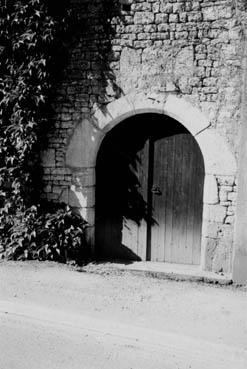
177	272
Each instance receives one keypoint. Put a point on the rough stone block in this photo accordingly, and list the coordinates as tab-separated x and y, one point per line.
161	18
156	7
209	245
222	257
150	28
226	180
223	193
142	44
141	7
210	190
214	213
194	17
183	17
49	158
59	172
173	18
166	7
210	13
212	229
47	188
56	190
230	219
143	18
196	5
232	196
178	7
231	210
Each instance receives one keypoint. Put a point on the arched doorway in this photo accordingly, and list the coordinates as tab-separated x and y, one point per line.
149	192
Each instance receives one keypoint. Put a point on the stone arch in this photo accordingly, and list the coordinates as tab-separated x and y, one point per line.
217	155
218	159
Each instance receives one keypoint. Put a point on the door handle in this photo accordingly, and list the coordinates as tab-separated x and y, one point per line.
156	190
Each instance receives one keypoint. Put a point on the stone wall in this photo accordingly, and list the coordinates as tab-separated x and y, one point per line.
218	216
188	49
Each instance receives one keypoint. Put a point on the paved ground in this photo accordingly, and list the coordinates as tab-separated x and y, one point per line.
54	317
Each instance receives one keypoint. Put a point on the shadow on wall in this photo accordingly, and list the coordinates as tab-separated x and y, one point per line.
89	73
87	79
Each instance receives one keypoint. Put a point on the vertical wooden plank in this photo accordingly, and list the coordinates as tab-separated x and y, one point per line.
177	211
177	253
143	175
182	249
150	199
159	199
199	180
142	240
185	199
162	199
189	220
171	151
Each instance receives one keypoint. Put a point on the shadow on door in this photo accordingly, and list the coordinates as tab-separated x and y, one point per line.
145	207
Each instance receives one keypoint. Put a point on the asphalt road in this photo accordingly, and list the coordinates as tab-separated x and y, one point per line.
33	337
52	317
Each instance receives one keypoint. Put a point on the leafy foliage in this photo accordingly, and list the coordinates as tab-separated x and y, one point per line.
32	34
52	233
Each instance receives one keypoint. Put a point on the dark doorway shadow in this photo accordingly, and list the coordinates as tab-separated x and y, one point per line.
119	192
123	203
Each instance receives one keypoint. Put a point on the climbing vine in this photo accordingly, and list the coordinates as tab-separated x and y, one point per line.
33	36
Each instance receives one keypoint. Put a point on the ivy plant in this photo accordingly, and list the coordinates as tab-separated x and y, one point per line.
32	46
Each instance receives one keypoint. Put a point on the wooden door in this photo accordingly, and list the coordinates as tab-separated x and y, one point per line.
149	192
177	193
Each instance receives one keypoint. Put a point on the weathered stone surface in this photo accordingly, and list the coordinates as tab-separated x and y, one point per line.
88	214
48	158
181	58
211	195
143	17
222	257
156	66
84	178
146	102
81	149
81	197
218	157
232	196
212	230
214	213
229	219
223	193
185	113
